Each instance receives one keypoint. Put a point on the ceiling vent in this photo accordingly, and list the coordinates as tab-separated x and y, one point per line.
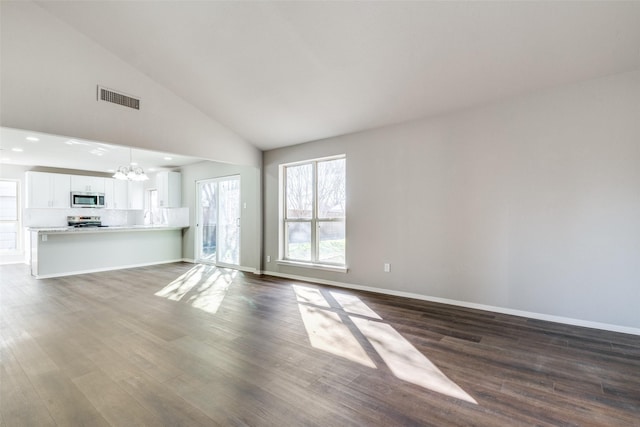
114	97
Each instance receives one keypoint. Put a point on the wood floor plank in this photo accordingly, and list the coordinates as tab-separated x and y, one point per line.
129	348
163	402
67	356
20	404
67	405
113	403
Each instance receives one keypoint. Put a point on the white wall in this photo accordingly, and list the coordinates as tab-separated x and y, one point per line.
15	172
530	205
250	217
48	84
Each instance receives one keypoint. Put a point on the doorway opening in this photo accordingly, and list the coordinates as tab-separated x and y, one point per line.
218	221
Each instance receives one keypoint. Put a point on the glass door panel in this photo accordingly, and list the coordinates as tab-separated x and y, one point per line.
218	224
229	221
207	220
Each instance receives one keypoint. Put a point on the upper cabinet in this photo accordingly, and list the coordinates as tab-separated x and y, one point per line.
136	194
53	190
169	189
116	194
48	190
87	184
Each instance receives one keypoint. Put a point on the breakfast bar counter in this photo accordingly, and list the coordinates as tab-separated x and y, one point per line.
62	251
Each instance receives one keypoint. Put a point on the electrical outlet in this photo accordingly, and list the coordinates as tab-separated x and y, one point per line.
44	237
268	258
387	267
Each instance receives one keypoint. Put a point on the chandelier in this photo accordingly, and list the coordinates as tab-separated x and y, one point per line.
133	172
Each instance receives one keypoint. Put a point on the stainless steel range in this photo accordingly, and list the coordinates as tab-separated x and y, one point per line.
84	221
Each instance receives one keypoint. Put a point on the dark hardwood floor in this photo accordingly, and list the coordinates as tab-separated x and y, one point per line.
182	344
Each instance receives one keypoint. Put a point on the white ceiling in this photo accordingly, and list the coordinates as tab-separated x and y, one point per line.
74	153
281	73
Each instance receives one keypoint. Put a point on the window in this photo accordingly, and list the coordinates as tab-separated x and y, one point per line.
152	213
313	226
9	216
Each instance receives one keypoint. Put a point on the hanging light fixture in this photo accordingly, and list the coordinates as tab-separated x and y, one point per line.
132	172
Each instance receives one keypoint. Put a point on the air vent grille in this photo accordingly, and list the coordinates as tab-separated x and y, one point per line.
114	97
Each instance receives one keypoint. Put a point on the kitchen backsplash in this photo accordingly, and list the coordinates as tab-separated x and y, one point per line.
58	217
178	217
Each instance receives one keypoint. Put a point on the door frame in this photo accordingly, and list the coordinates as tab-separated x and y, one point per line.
198	235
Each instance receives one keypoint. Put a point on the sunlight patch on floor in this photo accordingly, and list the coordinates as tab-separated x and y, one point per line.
203	287
308	295
405	361
327	331
354	305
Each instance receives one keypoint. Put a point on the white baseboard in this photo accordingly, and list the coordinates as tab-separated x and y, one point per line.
243	268
98	270
11	262
13	258
503	310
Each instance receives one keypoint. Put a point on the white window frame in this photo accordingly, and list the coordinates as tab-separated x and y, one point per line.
17	221
150	212
313	221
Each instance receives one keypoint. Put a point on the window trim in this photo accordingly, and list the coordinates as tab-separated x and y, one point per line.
149	211
326	267
314	220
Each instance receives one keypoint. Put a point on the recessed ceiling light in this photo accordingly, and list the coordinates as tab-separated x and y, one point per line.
168	158
5	159
106	145
111	170
133	164
32	138
74	142
151	169
17	149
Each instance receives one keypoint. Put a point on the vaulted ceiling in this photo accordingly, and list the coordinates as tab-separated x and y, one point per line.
281	73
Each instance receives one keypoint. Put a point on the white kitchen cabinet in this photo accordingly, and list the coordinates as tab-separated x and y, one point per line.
136	194
169	189
48	190
116	194
87	184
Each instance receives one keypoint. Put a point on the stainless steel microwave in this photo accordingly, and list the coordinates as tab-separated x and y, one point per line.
87	200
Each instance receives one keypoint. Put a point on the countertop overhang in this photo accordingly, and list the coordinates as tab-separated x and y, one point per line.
107	229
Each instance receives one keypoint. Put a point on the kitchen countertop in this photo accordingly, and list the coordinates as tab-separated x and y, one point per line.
111	228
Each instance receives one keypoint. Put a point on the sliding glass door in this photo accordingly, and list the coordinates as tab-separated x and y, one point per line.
218	221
